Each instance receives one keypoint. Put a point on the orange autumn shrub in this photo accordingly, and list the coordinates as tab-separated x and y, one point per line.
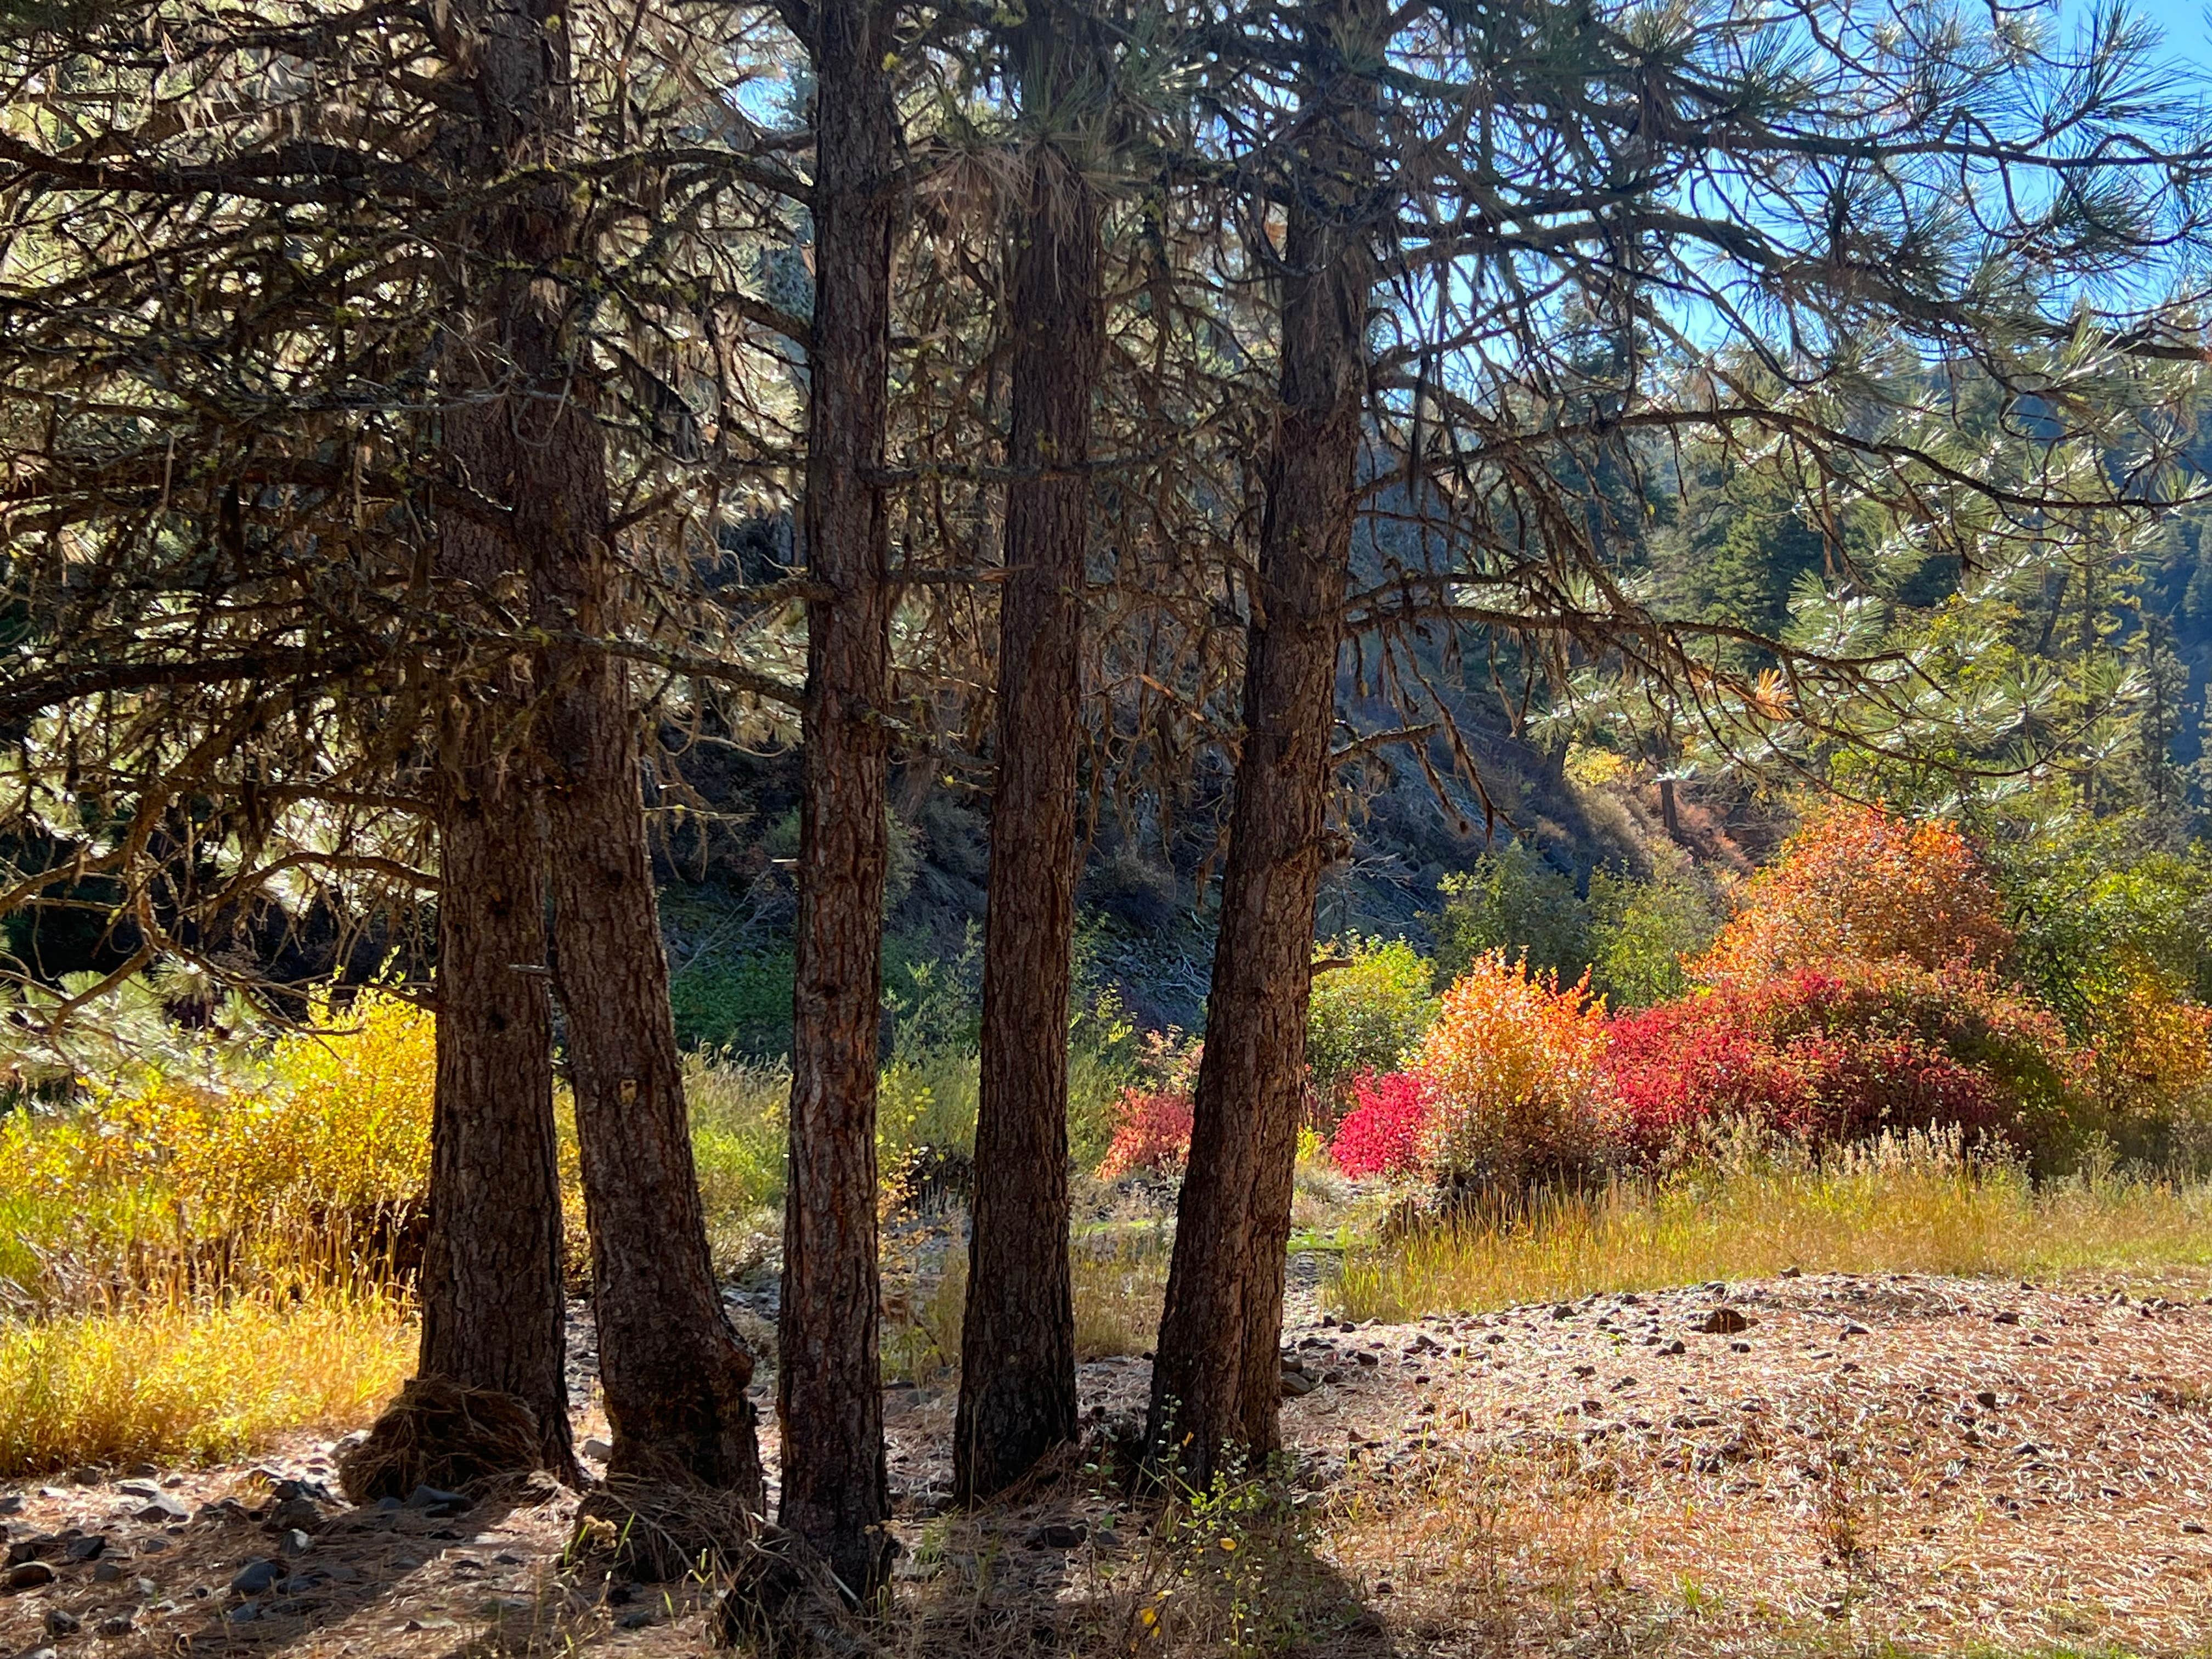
1860	885
1514	1060
2153	1070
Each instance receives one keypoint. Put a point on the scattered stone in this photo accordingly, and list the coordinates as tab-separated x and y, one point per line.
1987	1399
1296	1385
598	1449
2004	1316
639	1618
2195	1528
137	1488
436	1502
60	1621
1674	1345
1791	1272
143	1471
1724	1321
244	1613
1852	1327
292	1542
29	1575
1059	1535
1739	1347
11	1504
108	1572
115	1624
161	1510
90	1547
255	1576
1366	1358
152	1545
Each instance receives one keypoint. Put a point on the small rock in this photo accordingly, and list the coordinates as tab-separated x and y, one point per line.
256	1577
1059	1535
1724	1321
1986	1399
300	1512
152	1545
161	1510
1739	1347
143	1471
2004	1316
1296	1385
11	1504
292	1542
436	1502
86	1475
598	1449
29	1575
2195	1528
115	1624
60	1621
1366	1358
1791	1272
108	1572
1674	1345
244	1613
90	1547
1852	1327
639	1618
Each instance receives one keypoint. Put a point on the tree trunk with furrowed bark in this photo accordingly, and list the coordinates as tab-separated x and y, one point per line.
829	1384
1217	1377
1018	1342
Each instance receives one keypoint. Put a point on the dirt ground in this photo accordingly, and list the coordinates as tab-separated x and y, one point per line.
1818	1464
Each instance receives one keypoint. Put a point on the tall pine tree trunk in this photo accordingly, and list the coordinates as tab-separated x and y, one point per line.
672	1370
1217	1374
1017	1345
493	1313
830	1387
491	1290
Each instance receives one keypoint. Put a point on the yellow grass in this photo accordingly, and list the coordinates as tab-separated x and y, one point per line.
1898	1208
199	1383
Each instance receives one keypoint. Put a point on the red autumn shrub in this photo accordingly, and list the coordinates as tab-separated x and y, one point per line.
1151	1135
1837	1054
1385	1131
1858	885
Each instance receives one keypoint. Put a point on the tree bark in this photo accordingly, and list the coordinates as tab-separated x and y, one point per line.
1217	1376
672	1370
1017	1343
493	1314
830	1388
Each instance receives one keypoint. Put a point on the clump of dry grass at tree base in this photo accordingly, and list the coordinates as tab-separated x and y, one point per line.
1916	1204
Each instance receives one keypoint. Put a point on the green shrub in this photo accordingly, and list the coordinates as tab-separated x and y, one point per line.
1368	1014
1640	932
740	1004
1512	901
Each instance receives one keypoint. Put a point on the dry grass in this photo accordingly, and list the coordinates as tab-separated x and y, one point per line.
194	1383
1910	1208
